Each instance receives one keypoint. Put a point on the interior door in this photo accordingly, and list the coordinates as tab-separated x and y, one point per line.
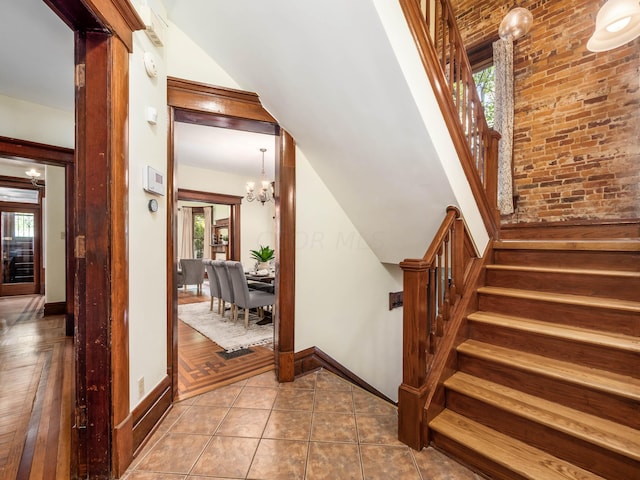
20	247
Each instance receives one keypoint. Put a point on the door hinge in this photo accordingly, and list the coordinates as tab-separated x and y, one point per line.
81	416
80	247
80	68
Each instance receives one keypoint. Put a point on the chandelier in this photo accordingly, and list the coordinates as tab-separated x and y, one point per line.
265	194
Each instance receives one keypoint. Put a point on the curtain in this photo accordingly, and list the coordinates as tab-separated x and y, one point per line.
208	213
503	121
186	248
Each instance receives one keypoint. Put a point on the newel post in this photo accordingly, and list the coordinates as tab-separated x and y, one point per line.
412	393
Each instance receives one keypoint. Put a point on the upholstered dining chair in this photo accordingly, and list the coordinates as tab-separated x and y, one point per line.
214	285
245	298
226	289
192	272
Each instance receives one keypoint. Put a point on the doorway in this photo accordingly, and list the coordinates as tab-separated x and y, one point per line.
206	105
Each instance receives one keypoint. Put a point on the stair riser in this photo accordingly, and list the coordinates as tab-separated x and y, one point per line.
622	288
472	458
595	356
617	321
625	261
581	453
598	403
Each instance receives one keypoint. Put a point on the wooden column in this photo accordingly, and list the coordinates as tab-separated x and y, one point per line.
285	256
491	173
412	393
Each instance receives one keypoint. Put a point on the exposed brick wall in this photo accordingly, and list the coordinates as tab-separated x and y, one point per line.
577	113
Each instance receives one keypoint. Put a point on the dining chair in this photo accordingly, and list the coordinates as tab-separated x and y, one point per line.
192	272
245	298
214	285
226	289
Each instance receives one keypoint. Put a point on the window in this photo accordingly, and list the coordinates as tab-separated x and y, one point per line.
198	234
486	86
23	225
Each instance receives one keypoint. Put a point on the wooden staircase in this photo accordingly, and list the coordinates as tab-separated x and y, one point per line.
548	380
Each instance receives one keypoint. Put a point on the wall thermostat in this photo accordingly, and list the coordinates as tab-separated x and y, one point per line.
153	205
153	181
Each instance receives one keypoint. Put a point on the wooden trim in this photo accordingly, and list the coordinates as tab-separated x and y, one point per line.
46	154
149	411
208	197
172	258
572	230
118	17
55	308
199	97
312	359
285	256
441	90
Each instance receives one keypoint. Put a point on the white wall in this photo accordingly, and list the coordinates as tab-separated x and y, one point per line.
37	123
54	235
180	57
342	289
257	226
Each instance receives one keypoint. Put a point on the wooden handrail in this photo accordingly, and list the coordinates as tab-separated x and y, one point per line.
433	286
440	46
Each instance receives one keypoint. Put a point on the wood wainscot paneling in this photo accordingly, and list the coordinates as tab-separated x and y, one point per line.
148	413
313	358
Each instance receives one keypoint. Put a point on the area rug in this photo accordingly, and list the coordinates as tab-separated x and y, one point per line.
229	335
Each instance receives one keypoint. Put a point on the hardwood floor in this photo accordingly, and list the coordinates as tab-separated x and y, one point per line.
201	367
36	391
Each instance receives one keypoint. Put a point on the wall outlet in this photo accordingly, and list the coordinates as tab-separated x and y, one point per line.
395	300
141	387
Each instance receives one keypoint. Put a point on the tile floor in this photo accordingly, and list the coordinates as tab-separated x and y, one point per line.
318	427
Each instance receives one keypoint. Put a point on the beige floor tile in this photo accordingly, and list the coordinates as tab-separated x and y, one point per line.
306	382
385	462
328	381
378	429
333	401
364	402
333	427
174	453
244	422
256	397
266	379
200	419
332	461
434	465
226	457
288	425
153	476
220	397
279	460
174	414
294	399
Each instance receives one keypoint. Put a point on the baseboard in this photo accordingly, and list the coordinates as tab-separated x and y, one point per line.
148	413
55	308
313	358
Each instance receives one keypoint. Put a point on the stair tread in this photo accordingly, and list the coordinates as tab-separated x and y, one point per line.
582	300
604	433
568	332
622	245
614	383
517	456
578	271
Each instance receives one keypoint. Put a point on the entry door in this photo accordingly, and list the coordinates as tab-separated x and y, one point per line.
20	251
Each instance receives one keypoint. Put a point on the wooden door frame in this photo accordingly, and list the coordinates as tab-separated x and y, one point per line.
194	102
103	423
232	201
43	154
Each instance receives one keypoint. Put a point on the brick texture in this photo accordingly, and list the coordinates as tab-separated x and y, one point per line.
577	113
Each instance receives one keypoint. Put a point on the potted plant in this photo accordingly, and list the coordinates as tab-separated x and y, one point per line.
262	256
